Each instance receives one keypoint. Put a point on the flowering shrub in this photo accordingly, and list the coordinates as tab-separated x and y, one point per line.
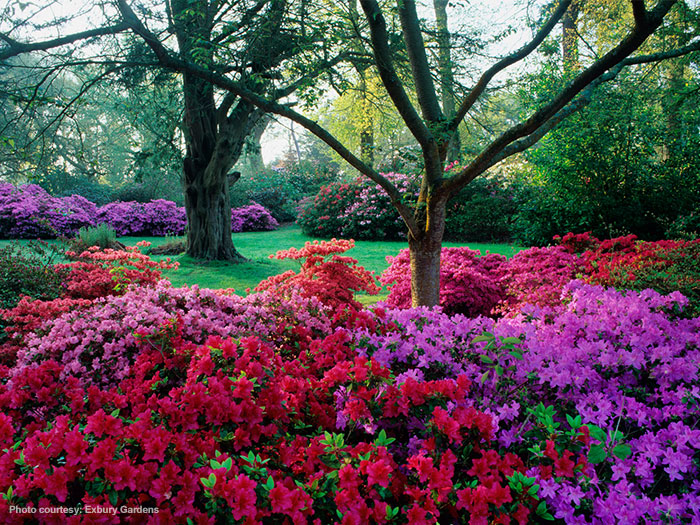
619	362
332	280
320	216
155	218
626	263
233	430
103	356
537	276
359	209
371	214
469	283
29	212
252	218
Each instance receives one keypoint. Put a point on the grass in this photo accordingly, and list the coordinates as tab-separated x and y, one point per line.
257	246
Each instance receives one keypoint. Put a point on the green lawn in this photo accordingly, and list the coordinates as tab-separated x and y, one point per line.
257	246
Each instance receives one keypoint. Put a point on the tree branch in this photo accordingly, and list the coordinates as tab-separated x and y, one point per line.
177	64
415	47
385	66
639	12
17	48
540	118
511	59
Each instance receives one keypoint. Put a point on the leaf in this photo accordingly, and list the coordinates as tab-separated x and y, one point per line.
486	359
622	451
481	339
227	464
511	340
598	433
596	454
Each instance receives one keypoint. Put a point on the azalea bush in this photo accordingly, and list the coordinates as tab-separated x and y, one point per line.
324	274
253	217
359	209
627	263
469	283
28	212
295	404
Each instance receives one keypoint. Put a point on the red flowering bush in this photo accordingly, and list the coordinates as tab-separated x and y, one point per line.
537	276
469	283
324	274
626	263
98	273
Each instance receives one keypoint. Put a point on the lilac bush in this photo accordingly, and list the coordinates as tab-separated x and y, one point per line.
624	362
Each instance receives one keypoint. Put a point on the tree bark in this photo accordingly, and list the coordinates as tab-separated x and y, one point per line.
209	218
425	252
569	37
449	105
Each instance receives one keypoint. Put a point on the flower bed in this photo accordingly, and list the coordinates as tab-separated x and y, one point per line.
186	404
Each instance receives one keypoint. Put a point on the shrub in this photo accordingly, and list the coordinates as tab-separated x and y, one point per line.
320	217
157	218
29	270
685	227
359	209
28	212
469	283
537	277
566	413
252	218
371	214
481	212
333	281
103	236
280	190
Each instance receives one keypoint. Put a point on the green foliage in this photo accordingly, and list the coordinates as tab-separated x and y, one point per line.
27	269
281	190
482	211
625	164
102	235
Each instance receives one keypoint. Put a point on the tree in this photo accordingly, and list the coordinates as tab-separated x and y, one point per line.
250	42
431	128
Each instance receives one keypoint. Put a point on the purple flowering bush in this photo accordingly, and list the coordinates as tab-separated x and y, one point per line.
622	365
252	218
28	212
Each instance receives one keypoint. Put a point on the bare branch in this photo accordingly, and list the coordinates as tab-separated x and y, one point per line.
540	118
17	48
387	73
415	47
511	59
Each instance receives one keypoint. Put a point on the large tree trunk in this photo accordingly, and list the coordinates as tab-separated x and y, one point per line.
425	256
209	217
